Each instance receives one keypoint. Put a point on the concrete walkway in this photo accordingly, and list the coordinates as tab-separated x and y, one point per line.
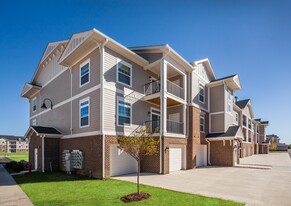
252	186
10	193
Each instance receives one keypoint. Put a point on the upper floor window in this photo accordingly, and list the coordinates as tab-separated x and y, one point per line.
229	107
84	112
201	93
202	124
85	73
34	103
124	73
124	112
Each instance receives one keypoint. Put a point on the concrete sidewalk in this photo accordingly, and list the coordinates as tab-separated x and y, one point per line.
10	193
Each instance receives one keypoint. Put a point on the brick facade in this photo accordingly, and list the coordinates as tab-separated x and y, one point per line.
51	154
263	149
35	142
92	152
247	150
222	154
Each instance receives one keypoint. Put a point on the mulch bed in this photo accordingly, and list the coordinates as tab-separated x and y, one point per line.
135	197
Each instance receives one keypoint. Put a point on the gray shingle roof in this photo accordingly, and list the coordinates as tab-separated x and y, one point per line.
216	80
46	130
242	103
231	132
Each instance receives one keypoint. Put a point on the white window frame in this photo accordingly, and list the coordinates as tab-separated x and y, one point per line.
32	104
117	110
203	87
80	107
119	61
229	106
229	95
33	123
80	72
202	117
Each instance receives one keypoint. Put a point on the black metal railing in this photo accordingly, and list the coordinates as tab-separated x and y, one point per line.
175	127
155	87
244	123
152	87
250	126
154	126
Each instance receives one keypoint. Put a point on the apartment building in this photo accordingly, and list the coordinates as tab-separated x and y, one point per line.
10	143
90	89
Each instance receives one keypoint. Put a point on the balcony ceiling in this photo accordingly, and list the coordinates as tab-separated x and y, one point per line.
170	101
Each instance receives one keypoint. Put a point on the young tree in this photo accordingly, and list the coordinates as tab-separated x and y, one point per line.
273	145
139	145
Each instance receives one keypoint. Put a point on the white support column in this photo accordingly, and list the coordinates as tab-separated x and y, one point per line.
185	104
247	129
163	97
42	153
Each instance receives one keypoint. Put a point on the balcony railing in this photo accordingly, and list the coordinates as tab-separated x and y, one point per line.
250	139
250	126
175	127
175	89
152	87
155	87
172	126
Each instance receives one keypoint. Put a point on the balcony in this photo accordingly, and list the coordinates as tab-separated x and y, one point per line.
244	123
172	126
152	93
250	126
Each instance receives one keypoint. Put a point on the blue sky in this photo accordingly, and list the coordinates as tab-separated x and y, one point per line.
250	38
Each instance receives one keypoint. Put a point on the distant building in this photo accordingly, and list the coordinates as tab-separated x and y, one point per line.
275	138
10	143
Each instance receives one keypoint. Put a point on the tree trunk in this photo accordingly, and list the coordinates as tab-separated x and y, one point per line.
138	173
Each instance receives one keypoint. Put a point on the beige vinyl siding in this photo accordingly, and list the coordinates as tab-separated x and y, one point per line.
234	115
57	90
195	91
59	118
228	119
94	72
217	99
94	118
133	94
139	110
178	80
217	123
201	70
175	64
52	69
246	112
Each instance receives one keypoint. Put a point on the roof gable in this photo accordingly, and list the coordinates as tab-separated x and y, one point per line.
207	67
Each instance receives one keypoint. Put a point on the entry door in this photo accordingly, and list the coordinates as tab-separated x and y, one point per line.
155	121
35	158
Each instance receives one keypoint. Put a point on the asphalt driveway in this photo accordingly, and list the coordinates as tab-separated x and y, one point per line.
266	182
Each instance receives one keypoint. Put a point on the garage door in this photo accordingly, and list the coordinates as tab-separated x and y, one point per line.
201	157
175	159
120	162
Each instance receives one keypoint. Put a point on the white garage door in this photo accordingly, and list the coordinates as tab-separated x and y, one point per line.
120	162
175	159
201	157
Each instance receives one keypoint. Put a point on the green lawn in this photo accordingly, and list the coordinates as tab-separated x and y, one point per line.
62	189
15	156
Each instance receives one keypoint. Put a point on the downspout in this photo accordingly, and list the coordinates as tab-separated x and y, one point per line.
101	49
208	151
42	153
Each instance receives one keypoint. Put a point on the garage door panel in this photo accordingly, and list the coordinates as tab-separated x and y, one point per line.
120	162
175	159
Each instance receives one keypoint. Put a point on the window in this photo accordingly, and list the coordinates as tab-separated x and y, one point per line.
124	112
84	112
202	123
85	73
124	72
33	122
201	92
34	103
229	107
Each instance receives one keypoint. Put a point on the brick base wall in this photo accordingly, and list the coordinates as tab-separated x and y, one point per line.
263	149
92	151
222	155
35	142
51	154
247	150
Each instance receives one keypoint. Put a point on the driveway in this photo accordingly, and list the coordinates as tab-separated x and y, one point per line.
268	184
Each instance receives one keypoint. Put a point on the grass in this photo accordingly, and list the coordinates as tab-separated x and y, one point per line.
62	189
17	156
